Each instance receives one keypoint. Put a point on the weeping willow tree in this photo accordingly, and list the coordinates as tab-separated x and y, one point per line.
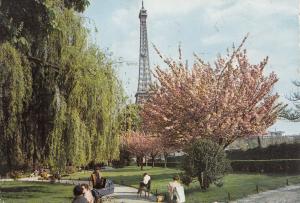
63	96
15	94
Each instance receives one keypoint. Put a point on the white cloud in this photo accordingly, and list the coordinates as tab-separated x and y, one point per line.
120	16
173	7
248	10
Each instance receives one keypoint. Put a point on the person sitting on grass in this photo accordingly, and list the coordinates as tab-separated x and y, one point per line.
78	195
87	193
144	182
176	191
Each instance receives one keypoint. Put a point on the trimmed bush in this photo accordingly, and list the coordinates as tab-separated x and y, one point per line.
282	151
206	161
267	166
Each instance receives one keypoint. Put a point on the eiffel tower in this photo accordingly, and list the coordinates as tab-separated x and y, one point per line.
144	67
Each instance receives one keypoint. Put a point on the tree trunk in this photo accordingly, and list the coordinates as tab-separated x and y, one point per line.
204	181
165	157
8	158
138	161
153	162
34	158
259	141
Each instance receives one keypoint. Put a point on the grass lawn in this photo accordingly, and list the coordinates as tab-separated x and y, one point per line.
238	185
27	192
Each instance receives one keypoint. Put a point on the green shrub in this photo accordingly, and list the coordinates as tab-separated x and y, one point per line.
206	161
185	179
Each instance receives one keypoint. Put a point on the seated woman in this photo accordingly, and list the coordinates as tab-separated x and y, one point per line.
176	191
145	182
98	182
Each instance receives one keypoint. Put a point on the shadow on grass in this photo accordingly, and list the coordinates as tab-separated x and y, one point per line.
16	189
22	192
42	192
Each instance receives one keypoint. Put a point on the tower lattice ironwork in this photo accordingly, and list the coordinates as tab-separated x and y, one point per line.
144	64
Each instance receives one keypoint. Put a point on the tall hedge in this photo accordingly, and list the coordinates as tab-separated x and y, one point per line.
282	151
267	166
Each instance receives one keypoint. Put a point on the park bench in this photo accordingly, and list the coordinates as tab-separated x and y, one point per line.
105	193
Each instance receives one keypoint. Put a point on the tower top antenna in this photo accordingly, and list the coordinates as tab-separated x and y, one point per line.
142	4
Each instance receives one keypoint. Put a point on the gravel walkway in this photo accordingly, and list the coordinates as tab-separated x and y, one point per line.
122	194
289	194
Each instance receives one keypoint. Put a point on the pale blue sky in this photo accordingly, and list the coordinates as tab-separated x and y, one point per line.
206	27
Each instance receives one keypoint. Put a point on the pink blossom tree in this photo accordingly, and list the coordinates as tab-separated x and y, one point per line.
229	100
139	144
155	148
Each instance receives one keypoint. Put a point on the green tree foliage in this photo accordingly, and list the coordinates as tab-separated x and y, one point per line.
15	82
130	118
293	114
63	93
28	22
206	161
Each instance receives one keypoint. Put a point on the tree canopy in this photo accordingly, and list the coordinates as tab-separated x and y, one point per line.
223	102
293	114
59	95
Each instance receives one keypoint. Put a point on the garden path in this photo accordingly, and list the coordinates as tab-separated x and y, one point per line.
289	194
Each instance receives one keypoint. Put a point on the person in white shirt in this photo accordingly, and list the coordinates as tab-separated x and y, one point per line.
144	182
176	191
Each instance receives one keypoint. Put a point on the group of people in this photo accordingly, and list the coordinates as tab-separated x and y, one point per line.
83	193
175	189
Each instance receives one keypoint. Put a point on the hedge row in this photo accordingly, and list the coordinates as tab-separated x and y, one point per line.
260	166
175	158
267	166
169	164
282	151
